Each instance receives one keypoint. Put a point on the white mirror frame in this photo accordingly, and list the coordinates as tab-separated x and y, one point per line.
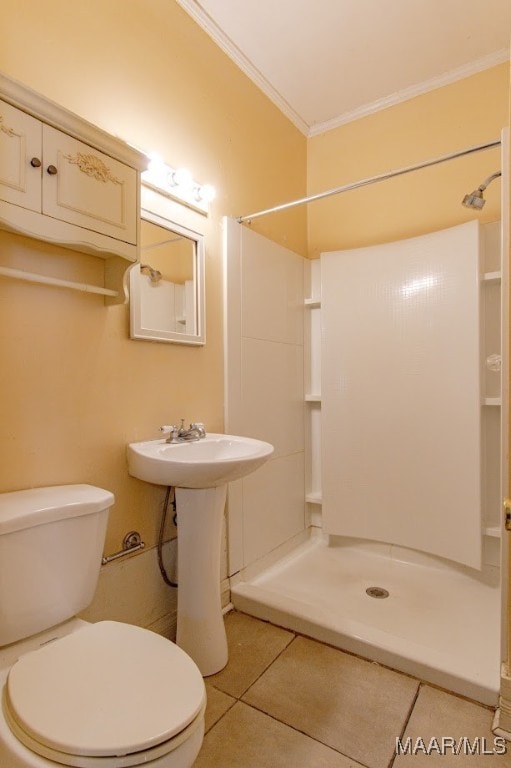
158	209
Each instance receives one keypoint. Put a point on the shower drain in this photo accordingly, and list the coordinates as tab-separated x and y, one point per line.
377	592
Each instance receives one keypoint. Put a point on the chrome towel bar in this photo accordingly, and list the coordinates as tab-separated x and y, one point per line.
131	543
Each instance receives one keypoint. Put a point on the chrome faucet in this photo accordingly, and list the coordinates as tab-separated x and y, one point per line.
195	431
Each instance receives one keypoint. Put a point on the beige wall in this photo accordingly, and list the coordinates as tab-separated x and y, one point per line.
73	388
466	113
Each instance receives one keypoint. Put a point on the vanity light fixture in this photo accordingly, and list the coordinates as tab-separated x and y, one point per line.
178	184
206	193
182	177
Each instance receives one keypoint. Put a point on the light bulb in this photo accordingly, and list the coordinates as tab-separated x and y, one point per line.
156	170
206	193
182	178
155	162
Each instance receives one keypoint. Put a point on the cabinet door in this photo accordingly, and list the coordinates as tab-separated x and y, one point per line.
20	144
85	187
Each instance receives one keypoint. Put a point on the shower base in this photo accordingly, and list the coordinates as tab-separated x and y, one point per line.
440	622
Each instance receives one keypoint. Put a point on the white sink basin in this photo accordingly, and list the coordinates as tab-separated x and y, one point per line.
206	463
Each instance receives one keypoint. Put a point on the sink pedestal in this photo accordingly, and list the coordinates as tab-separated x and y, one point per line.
199	470
200	622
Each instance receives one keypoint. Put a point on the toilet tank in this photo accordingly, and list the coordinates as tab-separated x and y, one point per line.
51	542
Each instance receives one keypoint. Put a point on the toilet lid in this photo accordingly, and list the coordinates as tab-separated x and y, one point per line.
107	689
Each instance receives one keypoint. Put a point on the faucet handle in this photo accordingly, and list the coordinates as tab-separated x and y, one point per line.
172	432
199	426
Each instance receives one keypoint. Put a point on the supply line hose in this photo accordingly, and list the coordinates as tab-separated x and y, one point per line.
160	539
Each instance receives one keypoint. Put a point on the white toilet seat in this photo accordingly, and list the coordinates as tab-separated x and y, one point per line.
109	694
123	761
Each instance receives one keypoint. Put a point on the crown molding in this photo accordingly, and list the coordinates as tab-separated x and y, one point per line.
486	62
204	20
235	54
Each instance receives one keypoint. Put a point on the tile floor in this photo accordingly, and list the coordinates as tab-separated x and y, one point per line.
285	701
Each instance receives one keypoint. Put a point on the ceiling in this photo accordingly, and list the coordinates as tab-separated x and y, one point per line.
326	62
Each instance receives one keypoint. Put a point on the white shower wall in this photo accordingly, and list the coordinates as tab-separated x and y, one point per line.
166	306
266	332
264	389
491	403
319	587
401	405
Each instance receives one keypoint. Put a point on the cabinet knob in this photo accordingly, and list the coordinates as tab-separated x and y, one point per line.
52	170
35	162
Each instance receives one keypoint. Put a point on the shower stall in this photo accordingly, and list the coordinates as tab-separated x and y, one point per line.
385	395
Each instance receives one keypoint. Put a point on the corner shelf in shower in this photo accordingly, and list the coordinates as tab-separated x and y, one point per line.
493	401
491	278
312	397
493	531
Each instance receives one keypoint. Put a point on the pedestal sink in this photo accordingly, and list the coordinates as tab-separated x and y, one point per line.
199	470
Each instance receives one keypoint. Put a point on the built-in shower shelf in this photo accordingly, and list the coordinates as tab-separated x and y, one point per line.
312	398
314	497
312	303
492	278
495	401
492	530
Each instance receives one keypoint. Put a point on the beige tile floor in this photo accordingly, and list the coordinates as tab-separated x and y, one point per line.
285	701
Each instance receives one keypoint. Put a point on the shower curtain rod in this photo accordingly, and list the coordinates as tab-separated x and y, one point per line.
371	180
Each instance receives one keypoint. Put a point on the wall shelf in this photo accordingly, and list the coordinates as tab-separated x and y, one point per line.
314	498
494	401
312	398
492	530
312	303
33	277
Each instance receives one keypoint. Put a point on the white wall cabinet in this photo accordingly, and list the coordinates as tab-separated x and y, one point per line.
66	181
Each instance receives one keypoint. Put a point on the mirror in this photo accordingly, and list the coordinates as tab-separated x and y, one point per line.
167	285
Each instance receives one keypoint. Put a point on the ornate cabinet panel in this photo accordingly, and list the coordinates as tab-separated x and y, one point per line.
20	158
88	188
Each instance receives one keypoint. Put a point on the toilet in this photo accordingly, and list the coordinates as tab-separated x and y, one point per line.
108	694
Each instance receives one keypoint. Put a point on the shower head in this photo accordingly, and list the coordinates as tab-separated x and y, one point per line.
475	199
154	274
